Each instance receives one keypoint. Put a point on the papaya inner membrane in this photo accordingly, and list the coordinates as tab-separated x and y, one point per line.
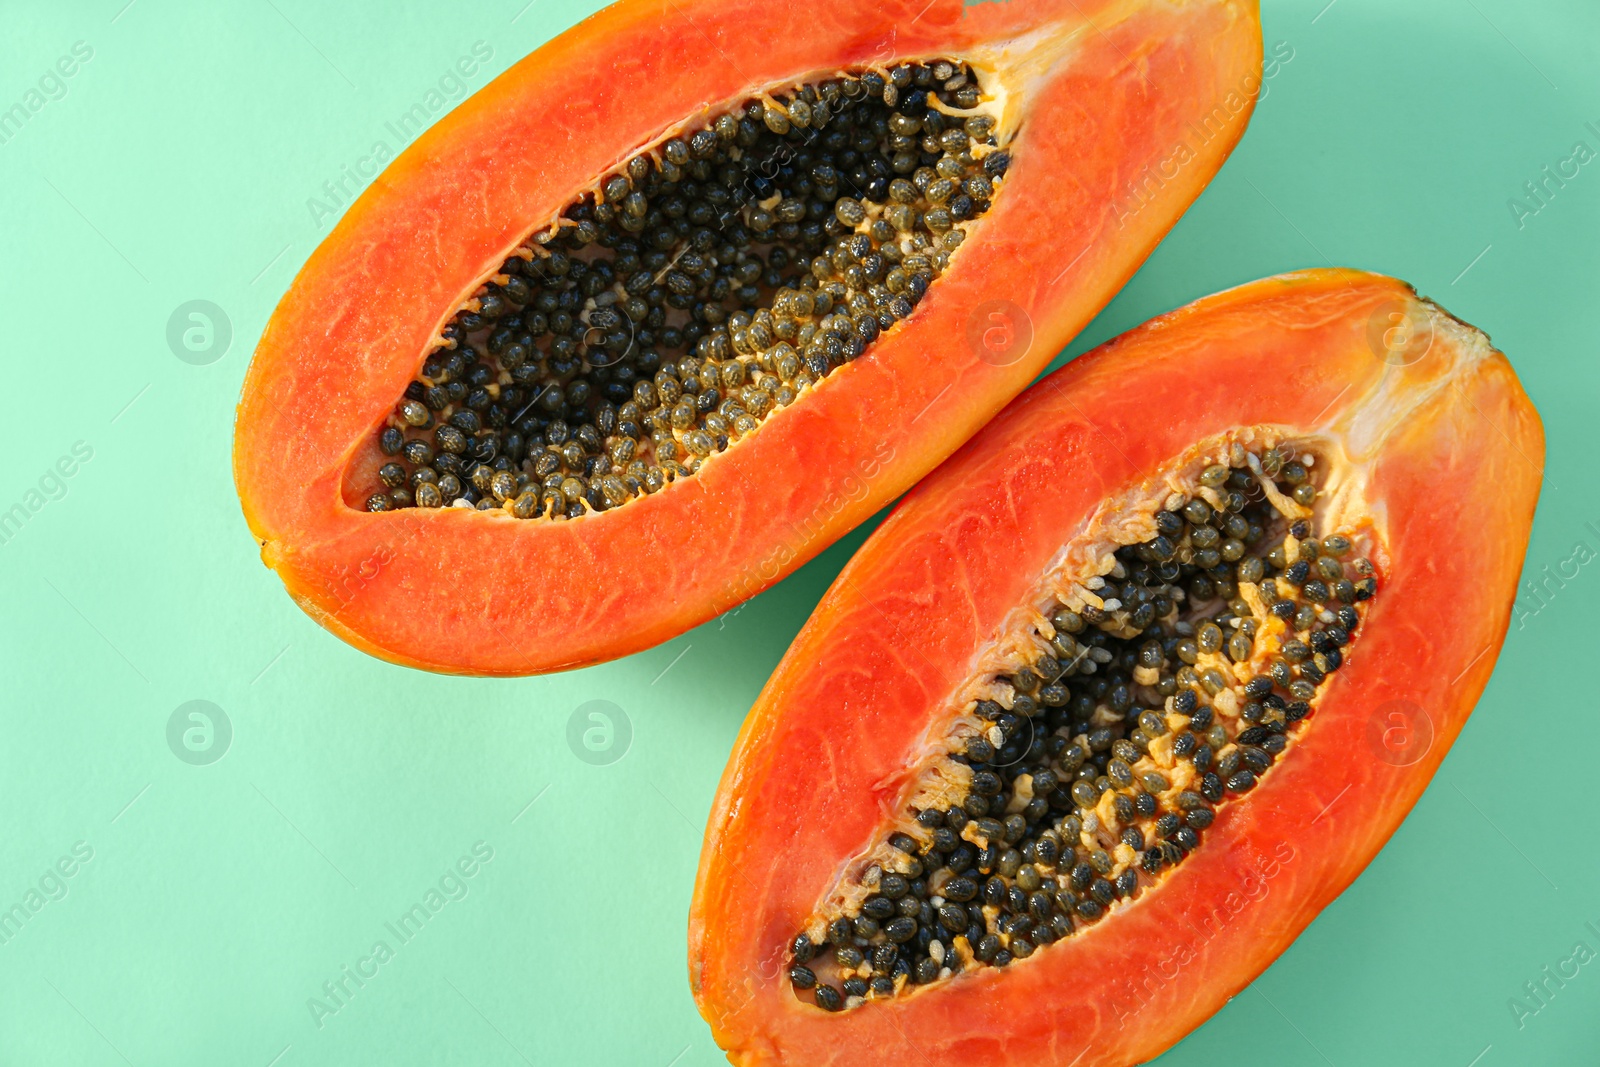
712	279
1175	650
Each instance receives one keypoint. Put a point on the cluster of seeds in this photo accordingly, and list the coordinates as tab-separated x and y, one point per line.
1175	684
705	285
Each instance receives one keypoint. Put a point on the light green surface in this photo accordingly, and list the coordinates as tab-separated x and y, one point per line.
219	898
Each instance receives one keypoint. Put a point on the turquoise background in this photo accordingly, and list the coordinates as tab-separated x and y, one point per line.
218	899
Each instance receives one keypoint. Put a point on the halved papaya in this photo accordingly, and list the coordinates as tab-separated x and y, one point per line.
692	290
1121	696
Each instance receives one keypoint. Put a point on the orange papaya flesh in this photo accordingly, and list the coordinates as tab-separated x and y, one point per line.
1423	457
1113	117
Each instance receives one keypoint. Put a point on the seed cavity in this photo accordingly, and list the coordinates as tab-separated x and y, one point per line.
713	279
1142	702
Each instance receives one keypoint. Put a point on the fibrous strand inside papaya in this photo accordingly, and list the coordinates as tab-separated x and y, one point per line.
1169	661
713	279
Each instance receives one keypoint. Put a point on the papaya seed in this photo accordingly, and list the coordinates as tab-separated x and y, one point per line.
779	237
1163	709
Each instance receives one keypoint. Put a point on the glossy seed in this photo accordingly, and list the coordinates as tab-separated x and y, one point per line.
1090	750
701	288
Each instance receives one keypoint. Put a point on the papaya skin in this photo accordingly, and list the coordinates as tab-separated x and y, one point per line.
1452	454
1106	93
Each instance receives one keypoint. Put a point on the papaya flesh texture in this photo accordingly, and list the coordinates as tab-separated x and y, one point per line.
1426	458
1113	116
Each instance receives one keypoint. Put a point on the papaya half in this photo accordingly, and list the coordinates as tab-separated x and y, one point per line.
690	291
1116	700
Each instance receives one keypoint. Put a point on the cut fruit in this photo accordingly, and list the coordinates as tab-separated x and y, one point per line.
660	313
1119	698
